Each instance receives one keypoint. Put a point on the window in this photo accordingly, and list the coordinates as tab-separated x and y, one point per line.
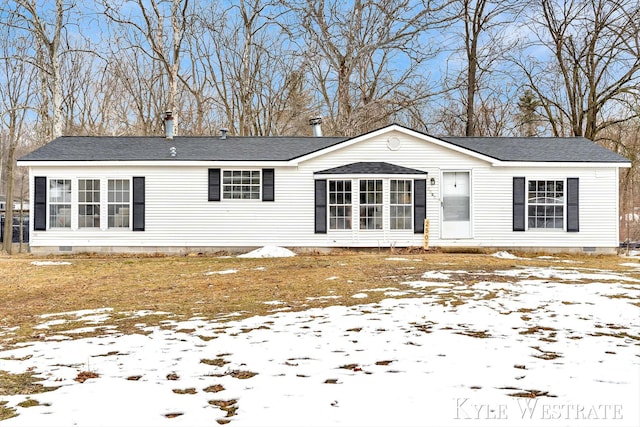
89	203
60	203
546	204
241	184
340	205
370	204
119	202
400	204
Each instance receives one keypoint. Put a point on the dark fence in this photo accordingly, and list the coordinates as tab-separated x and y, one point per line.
16	229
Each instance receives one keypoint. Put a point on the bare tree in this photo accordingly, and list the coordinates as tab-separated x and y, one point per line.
16	93
480	36
255	82
353	51
47	25
161	42
592	70
484	22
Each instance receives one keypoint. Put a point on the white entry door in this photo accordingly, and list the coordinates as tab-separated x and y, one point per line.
456	206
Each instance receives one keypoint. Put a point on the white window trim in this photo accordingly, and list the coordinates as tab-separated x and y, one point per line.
71	204
104	203
107	203
386	205
330	205
410	205
230	199
564	206
78	203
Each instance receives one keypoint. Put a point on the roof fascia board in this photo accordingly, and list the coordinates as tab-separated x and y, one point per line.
134	163
507	164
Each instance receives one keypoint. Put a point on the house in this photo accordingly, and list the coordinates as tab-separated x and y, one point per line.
392	187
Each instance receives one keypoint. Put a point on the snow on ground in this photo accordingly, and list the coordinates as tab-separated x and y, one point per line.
231	271
549	347
268	252
50	263
504	255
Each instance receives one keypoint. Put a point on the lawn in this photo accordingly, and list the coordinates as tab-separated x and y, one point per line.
354	338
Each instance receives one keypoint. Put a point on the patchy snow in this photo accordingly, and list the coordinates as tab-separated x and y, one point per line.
461	355
268	252
359	295
230	271
426	284
504	255
631	264
273	302
50	263
435	275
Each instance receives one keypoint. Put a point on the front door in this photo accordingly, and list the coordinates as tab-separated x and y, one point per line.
456	206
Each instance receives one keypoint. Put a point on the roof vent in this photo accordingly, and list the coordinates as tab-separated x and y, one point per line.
223	133
168	125
173	151
316	123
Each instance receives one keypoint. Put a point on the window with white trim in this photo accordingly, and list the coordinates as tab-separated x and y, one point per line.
60	203
371	204
241	184
401	204
340	205
545	204
119	203
89	203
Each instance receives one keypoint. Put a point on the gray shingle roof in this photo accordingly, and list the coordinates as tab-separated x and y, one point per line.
234	148
372	168
538	149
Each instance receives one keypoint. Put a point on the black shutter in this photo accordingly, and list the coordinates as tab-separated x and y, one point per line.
518	203
138	203
268	193
214	185
321	206
419	204
40	203
573	210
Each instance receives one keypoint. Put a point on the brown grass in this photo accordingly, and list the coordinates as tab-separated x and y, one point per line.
25	383
180	285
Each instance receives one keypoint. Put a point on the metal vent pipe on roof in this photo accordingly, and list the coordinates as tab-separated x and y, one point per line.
316	123
168	125
223	133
